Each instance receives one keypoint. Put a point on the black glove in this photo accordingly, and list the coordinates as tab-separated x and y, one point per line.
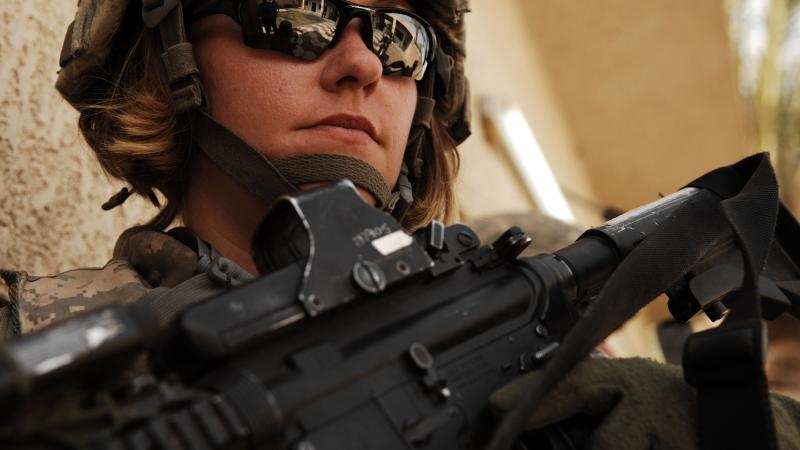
639	405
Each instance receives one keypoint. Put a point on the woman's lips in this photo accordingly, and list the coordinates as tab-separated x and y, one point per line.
346	127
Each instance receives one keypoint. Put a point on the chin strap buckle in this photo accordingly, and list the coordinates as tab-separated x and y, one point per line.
177	56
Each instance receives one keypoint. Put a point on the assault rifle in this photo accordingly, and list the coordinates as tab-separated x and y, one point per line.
357	336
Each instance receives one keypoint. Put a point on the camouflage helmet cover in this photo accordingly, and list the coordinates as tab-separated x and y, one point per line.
452	96
89	40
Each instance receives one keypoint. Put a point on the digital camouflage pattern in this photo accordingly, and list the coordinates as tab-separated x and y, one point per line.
161	259
44	300
35	302
143	260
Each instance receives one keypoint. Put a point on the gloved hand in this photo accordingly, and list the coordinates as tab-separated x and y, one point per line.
640	405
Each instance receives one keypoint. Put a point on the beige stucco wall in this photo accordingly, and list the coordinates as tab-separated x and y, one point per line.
649	90
627	100
51	188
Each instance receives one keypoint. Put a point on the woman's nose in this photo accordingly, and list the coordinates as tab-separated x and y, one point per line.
350	64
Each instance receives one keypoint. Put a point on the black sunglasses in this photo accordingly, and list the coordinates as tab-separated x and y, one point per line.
403	41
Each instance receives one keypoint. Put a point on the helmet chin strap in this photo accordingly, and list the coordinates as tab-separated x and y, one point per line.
324	167
270	179
236	158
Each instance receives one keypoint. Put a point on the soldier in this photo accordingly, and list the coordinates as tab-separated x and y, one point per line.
184	101
177	126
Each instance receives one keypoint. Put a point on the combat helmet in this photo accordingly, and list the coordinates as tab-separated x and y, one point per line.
443	95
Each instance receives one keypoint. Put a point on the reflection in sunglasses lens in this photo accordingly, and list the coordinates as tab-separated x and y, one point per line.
402	45
305	29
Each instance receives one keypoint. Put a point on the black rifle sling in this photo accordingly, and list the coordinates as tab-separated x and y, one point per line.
748	209
726	364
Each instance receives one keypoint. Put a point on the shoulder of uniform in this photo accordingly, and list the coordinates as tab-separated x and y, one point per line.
40	301
143	260
163	259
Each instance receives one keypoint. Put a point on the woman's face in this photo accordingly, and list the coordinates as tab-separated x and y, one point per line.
339	103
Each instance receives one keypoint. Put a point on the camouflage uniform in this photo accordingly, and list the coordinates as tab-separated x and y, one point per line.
144	261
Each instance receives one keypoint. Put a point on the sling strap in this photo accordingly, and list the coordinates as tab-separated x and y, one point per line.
213	275
741	200
726	364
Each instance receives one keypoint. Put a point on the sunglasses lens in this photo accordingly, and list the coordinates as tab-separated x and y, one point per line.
402	44
305	29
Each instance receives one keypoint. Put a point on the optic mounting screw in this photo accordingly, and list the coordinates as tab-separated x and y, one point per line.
369	277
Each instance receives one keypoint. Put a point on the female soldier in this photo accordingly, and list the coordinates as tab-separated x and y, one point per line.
220	110
222	124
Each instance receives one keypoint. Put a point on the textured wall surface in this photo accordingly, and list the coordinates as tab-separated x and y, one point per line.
649	91
51	187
